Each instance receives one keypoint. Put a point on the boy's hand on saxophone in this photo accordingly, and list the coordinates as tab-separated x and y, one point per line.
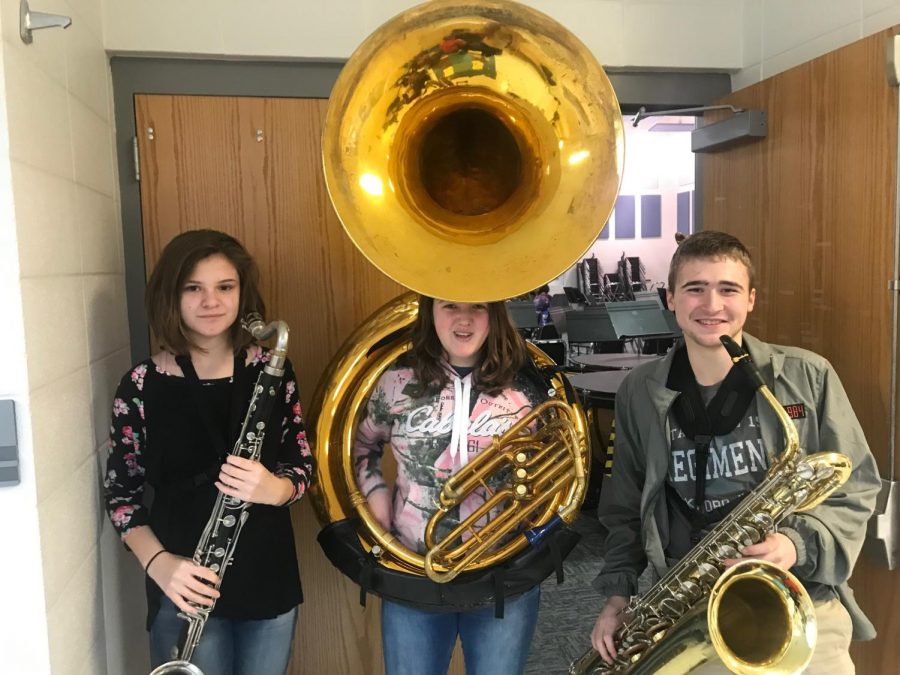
776	548
603	635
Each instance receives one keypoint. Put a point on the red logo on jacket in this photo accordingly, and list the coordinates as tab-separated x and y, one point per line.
796	411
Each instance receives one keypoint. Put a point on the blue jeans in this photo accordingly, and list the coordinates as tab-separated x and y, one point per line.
420	642
227	646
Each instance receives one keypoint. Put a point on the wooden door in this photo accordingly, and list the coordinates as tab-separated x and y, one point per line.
814	203
252	167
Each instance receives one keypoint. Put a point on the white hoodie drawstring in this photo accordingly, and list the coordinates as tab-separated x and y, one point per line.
459	440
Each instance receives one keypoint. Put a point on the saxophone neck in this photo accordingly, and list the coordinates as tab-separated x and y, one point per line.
741	359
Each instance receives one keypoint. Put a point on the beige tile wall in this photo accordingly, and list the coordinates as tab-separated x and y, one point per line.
780	35
68	232
621	33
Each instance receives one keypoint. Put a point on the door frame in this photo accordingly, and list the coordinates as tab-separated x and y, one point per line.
133	75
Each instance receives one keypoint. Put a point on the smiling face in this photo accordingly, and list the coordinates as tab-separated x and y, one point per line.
711	297
210	298
462	328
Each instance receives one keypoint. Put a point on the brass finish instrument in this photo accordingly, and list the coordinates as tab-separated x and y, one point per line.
553	458
488	135
698	610
220	535
485	131
545	465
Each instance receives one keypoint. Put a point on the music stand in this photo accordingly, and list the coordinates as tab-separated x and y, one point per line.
558	317
522	314
672	322
591	324
669	315
638	318
649	295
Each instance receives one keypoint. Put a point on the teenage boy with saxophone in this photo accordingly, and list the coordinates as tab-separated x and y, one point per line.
692	404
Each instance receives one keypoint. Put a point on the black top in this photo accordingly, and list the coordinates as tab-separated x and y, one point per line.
157	438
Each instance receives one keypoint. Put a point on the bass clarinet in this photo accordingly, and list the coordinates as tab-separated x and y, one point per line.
220	536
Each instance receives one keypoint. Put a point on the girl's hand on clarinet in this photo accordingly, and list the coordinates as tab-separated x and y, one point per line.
184	582
251	482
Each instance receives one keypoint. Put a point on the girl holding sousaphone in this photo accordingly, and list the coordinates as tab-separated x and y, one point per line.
472	153
463	383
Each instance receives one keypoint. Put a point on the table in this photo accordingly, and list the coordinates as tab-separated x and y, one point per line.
598	389
600	362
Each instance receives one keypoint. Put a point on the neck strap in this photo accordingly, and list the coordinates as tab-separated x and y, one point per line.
702	423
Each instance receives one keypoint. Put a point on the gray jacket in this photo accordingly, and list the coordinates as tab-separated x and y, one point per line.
828	538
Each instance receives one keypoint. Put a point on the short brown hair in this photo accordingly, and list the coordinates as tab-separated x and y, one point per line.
711	244
502	356
162	300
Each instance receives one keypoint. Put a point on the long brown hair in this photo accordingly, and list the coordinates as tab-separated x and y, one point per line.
502	356
178	260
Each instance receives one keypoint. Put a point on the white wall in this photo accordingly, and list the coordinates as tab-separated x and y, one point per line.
23	621
65	339
701	34
779	35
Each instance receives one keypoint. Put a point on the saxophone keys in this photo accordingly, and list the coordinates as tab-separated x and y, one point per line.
726	551
800	495
229	520
631	654
219	552
752	535
737	538
824	472
764	520
657	631
672	608
706	573
805	471
691	590
634	639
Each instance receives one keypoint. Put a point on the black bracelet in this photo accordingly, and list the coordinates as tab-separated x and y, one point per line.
150	562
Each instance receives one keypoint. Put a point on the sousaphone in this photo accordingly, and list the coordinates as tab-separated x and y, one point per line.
472	151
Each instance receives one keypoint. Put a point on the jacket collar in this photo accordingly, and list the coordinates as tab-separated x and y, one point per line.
770	363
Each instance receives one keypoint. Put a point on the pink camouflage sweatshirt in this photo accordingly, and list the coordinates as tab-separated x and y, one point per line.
432	434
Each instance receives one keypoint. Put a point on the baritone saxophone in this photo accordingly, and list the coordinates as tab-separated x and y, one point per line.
756	618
